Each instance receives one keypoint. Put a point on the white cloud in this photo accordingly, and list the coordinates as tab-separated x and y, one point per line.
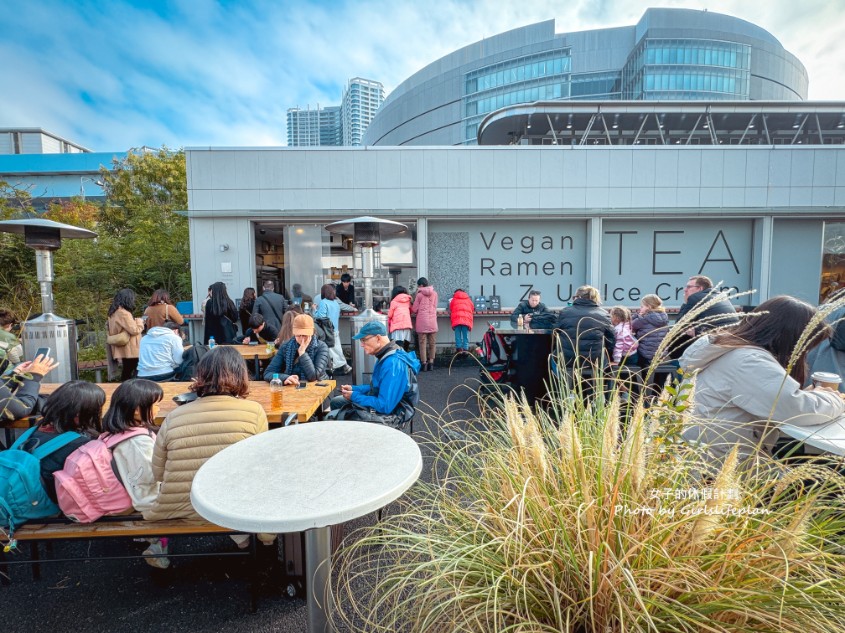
114	75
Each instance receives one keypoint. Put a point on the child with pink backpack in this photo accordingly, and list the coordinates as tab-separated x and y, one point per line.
89	487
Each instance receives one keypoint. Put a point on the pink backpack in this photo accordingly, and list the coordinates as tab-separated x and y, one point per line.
88	486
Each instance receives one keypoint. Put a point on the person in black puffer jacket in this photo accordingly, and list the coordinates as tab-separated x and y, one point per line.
585	329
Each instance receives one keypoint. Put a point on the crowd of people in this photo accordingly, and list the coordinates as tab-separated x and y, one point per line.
748	377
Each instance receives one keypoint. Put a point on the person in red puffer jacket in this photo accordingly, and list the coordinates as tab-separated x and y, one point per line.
461	308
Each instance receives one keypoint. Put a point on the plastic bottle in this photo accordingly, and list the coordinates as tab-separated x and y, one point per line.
520	322
276	392
211	342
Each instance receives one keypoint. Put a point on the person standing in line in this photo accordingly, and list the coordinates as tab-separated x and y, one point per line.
586	333
399	317
461	310
160	309
425	309
271	305
329	308
124	332
245	309
220	316
345	290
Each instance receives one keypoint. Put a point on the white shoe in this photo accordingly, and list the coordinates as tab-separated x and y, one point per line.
156	550
241	540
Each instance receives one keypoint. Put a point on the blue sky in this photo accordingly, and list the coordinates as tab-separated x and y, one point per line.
117	74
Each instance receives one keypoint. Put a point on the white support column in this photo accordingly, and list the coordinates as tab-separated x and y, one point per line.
594	229
766	225
422	247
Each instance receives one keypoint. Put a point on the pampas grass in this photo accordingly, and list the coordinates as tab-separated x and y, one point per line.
590	516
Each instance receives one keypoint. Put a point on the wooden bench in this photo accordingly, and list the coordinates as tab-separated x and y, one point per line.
97	366
129	526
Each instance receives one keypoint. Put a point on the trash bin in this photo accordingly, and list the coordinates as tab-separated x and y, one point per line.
58	334
363	364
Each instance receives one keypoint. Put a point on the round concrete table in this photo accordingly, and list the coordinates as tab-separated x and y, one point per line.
307	477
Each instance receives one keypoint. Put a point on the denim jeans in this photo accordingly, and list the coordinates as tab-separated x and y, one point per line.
462	337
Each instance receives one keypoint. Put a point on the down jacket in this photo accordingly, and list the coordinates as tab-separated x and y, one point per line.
121	321
741	393
425	307
586	332
189	436
399	314
650	329
461	309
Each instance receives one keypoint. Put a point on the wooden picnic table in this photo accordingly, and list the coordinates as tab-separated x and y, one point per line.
257	352
305	403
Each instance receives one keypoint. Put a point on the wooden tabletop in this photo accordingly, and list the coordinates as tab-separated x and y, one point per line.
251	351
304	402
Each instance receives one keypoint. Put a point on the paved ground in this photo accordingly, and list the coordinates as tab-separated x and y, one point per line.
194	595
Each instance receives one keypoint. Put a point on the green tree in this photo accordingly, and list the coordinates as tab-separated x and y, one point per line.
142	243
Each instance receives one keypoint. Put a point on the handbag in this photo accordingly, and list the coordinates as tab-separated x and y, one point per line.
328	329
121	339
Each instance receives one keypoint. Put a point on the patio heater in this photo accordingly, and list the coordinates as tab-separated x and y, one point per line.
48	330
367	232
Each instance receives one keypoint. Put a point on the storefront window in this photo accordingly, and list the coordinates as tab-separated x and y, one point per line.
300	258
833	260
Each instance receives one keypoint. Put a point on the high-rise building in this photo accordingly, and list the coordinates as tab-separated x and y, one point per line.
320	126
361	99
19	140
670	54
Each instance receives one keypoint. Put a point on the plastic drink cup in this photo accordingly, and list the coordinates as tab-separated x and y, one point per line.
826	379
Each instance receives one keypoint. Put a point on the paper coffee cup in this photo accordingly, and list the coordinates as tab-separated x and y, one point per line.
826	379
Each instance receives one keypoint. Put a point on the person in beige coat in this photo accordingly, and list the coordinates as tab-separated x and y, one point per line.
160	309
193	433
121	320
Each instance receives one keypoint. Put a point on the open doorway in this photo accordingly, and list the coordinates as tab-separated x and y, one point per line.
300	257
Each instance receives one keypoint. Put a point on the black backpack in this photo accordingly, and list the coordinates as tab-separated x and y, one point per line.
543	320
190	357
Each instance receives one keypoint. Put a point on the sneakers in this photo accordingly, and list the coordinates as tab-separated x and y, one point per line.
158	555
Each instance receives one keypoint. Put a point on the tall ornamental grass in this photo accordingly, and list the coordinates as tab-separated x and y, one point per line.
590	516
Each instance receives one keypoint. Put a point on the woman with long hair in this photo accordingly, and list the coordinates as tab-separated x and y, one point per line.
286	333
124	332
191	434
749	378
245	309
161	309
220	315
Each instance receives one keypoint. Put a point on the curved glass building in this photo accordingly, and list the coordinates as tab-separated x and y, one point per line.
670	54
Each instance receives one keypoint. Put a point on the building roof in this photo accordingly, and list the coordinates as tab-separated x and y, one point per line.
666	123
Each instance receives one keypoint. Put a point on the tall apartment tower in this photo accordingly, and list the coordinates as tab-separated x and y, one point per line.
361	100
321	126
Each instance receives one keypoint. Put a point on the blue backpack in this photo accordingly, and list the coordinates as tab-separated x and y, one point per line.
22	494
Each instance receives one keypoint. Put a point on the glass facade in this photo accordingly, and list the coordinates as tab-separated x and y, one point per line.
833	260
687	70
309	256
521	80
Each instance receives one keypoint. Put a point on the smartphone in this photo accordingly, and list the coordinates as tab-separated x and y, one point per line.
302	385
42	351
322	384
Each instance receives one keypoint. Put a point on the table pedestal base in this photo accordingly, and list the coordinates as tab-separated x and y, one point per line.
318	567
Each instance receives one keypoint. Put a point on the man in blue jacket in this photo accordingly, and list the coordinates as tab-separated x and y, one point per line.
391	398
